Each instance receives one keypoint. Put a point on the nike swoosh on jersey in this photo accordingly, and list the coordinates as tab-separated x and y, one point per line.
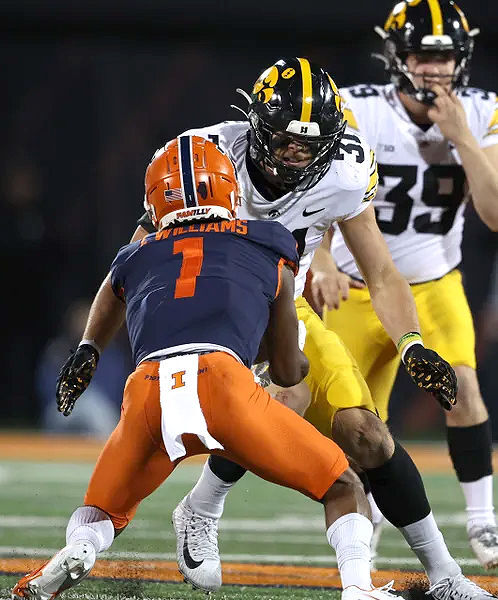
189	561
308	213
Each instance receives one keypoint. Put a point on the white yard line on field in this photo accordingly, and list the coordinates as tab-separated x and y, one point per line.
284	523
328	559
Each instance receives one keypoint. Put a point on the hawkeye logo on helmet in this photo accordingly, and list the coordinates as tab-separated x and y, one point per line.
263	88
304	128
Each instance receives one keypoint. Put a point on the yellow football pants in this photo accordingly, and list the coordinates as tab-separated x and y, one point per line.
446	327
334	378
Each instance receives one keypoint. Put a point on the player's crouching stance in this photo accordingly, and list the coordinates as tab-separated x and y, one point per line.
200	295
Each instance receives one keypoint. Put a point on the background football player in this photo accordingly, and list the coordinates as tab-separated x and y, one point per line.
297	166
435	140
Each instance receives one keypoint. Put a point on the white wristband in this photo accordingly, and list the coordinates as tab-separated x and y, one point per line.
93	344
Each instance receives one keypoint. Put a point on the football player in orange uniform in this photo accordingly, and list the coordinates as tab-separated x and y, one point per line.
200	295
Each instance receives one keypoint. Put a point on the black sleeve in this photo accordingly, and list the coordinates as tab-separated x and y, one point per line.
146	223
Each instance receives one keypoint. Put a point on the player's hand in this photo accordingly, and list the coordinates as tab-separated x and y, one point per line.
75	376
432	373
330	287
449	115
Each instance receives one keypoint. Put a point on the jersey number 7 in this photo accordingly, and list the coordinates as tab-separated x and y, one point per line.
192	249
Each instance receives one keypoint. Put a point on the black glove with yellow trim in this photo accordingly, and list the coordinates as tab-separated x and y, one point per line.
432	373
75	376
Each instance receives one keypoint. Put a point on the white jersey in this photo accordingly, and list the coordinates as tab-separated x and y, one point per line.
422	185
343	192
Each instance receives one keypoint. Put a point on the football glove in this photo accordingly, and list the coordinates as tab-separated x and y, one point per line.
432	373
75	376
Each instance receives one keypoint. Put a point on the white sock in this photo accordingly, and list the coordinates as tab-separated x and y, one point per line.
479	500
207	498
90	524
350	537
425	539
377	516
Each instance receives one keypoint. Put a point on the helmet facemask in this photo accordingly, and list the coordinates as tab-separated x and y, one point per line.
264	141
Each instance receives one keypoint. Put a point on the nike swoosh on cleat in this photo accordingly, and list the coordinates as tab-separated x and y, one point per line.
307	213
189	561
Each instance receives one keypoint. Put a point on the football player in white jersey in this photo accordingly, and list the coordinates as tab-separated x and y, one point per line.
435	140
297	165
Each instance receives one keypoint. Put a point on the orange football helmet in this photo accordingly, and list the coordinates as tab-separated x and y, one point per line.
190	179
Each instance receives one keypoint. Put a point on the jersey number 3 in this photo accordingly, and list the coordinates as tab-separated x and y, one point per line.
434	175
193	255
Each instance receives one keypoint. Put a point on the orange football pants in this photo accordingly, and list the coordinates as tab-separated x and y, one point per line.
255	430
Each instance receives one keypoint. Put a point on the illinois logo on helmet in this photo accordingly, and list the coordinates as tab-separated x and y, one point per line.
190	179
418	26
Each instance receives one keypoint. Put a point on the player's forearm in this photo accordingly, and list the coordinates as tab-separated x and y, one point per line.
106	316
483	180
322	259
393	302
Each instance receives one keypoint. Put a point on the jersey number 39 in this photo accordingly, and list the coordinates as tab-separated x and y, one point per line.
431	197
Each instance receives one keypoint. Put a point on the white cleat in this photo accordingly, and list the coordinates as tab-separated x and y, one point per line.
484	543
458	588
67	568
197	551
374	543
382	593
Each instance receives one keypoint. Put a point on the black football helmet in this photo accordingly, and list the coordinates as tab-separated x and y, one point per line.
418	26
295	100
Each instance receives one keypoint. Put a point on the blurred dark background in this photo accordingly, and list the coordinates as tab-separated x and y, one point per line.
90	90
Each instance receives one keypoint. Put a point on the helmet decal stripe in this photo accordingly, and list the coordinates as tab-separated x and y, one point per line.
437	17
463	18
307	90
187	171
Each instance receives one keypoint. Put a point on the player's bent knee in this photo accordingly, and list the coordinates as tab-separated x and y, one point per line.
363	436
346	495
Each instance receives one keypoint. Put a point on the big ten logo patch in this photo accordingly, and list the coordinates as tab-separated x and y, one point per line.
178	381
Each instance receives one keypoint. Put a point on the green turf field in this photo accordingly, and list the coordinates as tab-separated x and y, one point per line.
262	524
